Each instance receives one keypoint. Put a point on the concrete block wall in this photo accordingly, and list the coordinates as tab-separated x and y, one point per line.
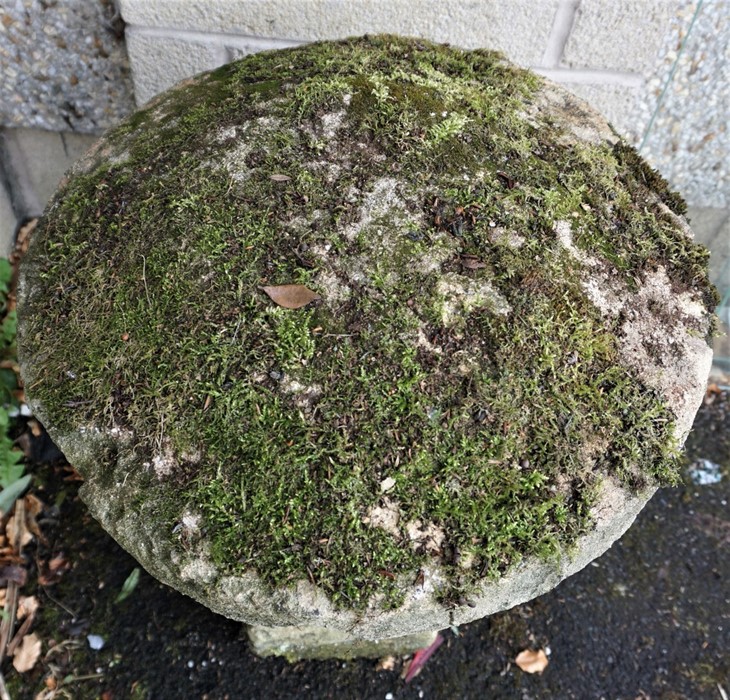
604	49
32	162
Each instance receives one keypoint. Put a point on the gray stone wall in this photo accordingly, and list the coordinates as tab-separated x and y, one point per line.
63	65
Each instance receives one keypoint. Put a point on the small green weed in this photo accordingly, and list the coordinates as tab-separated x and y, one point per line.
12	481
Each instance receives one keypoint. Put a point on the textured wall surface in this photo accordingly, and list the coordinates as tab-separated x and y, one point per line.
688	138
63	65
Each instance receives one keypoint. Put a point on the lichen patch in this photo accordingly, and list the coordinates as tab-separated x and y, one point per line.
564	232
331	288
332	122
165	462
426	537
659	334
385	516
461	295
304	395
501	236
383	200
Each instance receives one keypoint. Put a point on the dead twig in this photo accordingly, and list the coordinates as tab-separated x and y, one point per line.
4	695
58	603
11	599
22	631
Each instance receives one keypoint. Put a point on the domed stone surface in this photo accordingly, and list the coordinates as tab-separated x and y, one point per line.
375	336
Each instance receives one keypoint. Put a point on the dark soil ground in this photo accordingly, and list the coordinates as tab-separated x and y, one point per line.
649	619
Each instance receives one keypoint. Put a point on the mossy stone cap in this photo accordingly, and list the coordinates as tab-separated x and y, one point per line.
373	334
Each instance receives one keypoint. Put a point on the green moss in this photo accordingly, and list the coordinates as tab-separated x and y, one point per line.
284	423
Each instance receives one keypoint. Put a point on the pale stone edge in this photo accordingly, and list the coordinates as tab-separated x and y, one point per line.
317	643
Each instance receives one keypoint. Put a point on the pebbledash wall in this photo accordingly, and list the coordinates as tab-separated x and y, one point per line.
658	69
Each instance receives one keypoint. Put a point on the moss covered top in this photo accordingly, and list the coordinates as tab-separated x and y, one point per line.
480	249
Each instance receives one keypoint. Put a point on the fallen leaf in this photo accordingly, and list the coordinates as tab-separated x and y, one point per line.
291	296
52	571
13	573
387	663
26	611
507	180
278	177
58	563
22	531
27	653
532	661
27	605
33	508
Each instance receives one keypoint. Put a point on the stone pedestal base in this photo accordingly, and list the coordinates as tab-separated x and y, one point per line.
318	643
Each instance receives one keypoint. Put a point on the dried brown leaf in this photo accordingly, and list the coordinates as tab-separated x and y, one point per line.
33	508
18	532
532	661
52	571
279	177
387	663
27	653
27	605
291	296
13	573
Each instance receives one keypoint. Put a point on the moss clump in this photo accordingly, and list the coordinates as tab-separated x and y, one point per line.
454	361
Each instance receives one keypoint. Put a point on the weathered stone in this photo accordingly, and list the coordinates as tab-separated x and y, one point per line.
506	346
319	643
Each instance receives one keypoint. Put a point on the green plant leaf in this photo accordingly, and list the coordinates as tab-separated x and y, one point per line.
9	494
10	468
8	384
6	270
6	275
10	327
128	586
